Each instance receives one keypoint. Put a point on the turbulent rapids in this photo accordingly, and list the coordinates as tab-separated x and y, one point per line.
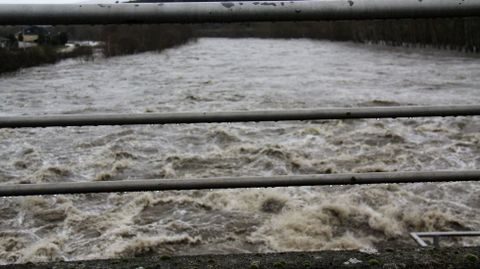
238	74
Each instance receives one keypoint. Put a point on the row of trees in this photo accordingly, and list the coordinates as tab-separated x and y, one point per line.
123	39
117	40
454	33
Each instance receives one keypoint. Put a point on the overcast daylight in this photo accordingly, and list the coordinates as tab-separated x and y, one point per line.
240	134
37	1
54	1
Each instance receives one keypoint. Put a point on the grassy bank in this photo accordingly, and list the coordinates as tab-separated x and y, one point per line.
15	59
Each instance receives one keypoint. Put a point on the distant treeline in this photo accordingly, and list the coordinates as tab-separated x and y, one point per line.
455	33
14	59
119	40
128	39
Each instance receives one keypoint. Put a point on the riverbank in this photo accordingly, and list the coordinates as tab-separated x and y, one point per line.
15	59
424	258
116	41
440	33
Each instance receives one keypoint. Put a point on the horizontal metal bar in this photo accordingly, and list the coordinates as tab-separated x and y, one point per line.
237	182
419	240
417	236
448	234
239	11
239	116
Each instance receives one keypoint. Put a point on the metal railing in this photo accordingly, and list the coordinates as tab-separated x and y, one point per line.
417	236
239	116
239	11
237	182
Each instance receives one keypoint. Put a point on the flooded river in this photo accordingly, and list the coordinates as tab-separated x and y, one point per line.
238	74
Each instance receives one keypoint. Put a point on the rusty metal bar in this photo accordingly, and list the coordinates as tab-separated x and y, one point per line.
237	182
239	116
238	11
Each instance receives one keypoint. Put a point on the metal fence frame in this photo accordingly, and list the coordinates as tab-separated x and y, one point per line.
238	116
417	236
237	182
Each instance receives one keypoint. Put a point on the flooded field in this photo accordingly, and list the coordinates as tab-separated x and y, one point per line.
238	74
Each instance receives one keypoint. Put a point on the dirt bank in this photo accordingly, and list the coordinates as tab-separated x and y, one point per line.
387	258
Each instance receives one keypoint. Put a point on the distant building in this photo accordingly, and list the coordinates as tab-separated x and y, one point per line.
32	35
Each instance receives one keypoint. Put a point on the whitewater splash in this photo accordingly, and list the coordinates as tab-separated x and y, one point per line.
238	74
